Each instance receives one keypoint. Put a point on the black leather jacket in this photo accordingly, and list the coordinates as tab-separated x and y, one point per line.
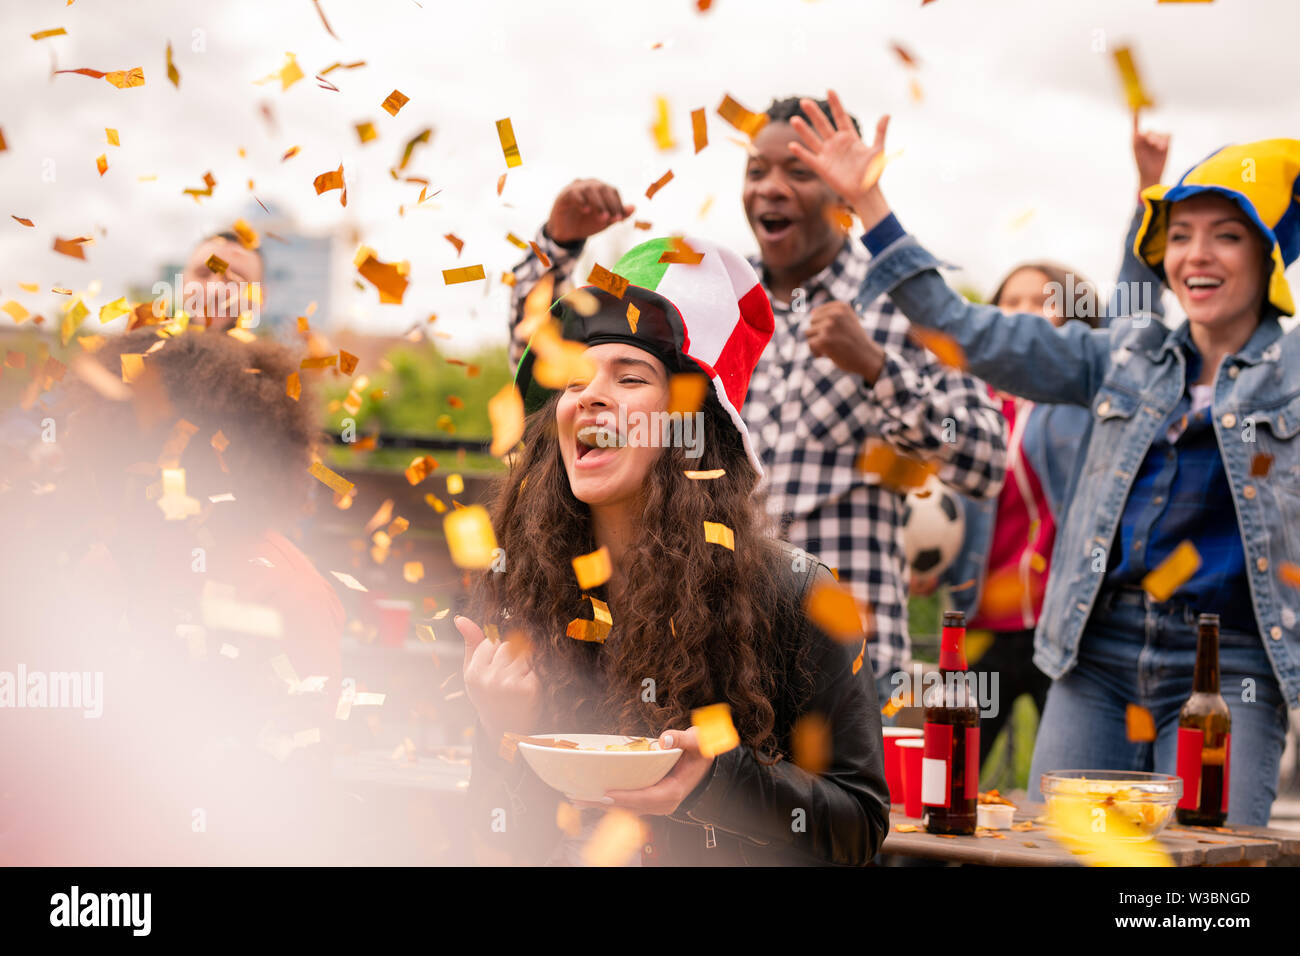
743	812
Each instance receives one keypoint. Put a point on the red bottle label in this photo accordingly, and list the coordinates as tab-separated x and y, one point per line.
936	765
1190	743
952	649
972	789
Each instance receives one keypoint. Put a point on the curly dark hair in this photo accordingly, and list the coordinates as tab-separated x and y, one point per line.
699	620
785	109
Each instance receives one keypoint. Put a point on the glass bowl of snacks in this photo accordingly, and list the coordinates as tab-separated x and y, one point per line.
1125	804
584	766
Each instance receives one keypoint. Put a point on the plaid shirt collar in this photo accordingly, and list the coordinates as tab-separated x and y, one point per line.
841	279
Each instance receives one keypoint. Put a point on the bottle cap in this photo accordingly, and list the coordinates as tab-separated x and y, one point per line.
1208	620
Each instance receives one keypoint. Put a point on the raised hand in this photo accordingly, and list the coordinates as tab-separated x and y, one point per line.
1150	151
500	682
583	208
836	152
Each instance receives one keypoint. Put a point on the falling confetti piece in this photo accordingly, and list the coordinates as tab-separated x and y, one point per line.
501	183
661	128
16	311
56	32
658	184
293	386
332	180
413	571
1139	724
173	74
810	743
111	136
69	247
607	281
541	256
615	840
834	610
464	274
593	631
681	253
717	734
1172	573
320	361
419	469
1260	465
455	484
944	347
132	366
470	537
325	23
122	79
366	132
633	314
594	569
390	278
455	241
1128	74
394	102
347	362
506	413
216	264
335	482
686	392
876	168
568	819
699	129
744	120
288	75
641	224
418	139
506	133
23	222
1006	592
1289	574
705	475
897	472
906	828
290	153
349	581
516	241
720	534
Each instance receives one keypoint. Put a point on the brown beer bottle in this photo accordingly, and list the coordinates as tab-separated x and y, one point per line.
950	765
1204	737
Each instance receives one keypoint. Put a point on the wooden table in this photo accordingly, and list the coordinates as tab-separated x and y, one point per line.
1186	846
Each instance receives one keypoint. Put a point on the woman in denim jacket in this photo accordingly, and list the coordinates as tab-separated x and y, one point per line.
1192	440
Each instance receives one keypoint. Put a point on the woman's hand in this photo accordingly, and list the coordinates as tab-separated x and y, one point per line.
667	795
839	156
500	682
1150	151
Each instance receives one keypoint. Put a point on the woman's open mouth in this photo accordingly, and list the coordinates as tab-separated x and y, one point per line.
1199	288
772	227
595	445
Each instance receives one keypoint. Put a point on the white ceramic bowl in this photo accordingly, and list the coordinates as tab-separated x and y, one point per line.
994	816
586	774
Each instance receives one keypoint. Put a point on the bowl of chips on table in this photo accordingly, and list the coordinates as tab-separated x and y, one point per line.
584	766
1134	806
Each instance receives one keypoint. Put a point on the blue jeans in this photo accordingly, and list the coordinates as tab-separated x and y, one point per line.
1135	651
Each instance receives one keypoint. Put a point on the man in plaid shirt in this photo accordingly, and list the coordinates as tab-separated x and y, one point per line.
830	379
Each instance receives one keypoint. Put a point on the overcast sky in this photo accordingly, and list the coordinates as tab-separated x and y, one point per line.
1019	148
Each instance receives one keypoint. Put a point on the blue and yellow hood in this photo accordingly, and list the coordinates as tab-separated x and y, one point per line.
1263	179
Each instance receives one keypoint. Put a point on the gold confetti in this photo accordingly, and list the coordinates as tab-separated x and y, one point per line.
413	571
56	32
516	241
290	153
1128	74
1260	465
122	79
173	74
335	482
455	484
681	253
389	278
23	222
542	257
506	133
705	475
633	313
394	102
699	129
349	581
1173	572
111	135
293	386
463	274
686	392
347	362
897	472
16	311
288	75
506	413
455	241
470	537
607	281
658	184
420	469
715	533
945	349
1139	724
217	264
594	569
501	183
834	609
615	840
661	128
366	132
320	361
1289	574
717	734
810	743
247	235
132	366
641	224
568	818
747	122
595	630
332	180
876	168
70	247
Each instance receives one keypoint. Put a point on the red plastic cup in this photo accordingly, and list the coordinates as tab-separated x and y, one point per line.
394	622
893	765
911	750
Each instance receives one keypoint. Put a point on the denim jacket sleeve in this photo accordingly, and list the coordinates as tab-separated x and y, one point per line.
1022	354
1137	287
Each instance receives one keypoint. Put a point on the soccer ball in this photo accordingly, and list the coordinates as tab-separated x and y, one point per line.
933	528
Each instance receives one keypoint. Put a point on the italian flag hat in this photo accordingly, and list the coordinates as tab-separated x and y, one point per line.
701	309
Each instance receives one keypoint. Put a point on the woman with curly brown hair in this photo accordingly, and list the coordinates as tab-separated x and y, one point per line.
694	622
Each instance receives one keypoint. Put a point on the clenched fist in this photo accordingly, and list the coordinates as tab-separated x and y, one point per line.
583	208
500	682
834	331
